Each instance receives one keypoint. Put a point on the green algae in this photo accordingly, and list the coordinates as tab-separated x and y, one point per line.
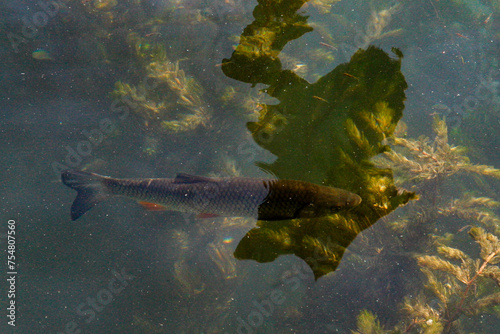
325	132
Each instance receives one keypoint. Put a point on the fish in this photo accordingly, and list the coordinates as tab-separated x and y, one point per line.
264	199
41	54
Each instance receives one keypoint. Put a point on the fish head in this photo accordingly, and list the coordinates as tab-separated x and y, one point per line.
351	200
329	201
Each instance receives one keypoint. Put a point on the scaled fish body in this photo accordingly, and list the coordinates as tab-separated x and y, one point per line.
264	199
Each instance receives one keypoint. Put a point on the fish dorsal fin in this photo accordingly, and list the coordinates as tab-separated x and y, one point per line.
188	178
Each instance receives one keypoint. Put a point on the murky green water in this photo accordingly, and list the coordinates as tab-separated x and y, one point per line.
396	101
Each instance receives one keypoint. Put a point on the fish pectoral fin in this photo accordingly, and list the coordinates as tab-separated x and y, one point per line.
188	178
152	206
206	215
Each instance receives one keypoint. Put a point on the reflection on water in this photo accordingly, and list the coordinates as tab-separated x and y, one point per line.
316	109
333	127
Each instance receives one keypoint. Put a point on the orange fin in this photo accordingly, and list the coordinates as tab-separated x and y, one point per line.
152	206
207	215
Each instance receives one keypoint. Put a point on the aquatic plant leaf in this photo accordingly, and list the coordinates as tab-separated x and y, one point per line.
492	272
436	263
486	302
255	59
325	133
435	286
490	245
452	253
476	209
416	308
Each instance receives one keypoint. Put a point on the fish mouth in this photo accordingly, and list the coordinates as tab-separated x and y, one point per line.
354	201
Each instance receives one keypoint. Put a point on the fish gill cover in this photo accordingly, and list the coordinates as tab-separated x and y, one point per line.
325	132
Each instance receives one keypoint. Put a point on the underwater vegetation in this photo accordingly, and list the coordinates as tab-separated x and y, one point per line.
341	29
426	166
172	102
333	126
376	26
425	160
459	288
327	132
323	6
460	282
135	34
461	285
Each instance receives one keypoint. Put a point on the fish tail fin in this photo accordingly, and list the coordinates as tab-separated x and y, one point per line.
90	187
